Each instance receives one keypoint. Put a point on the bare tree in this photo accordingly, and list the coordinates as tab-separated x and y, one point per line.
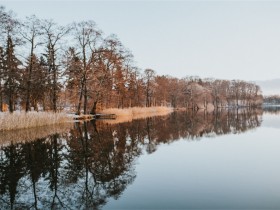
87	37
54	34
107	74
31	30
149	82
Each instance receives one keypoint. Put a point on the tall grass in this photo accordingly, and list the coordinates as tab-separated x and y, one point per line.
128	114
19	120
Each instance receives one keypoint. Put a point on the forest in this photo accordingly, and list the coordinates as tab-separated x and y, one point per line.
45	66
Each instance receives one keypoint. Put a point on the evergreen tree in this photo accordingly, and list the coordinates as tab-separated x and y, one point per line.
73	74
37	79
11	75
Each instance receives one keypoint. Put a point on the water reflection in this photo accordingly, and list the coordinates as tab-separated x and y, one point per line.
95	161
30	134
272	109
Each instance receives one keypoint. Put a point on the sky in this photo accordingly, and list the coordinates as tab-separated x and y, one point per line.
217	39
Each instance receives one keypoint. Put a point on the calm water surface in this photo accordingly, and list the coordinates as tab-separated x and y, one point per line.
227	160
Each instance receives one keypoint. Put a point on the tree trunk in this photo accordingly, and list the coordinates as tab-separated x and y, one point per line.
27	104
11	105
1	99
85	100
80	102
54	99
93	109
54	87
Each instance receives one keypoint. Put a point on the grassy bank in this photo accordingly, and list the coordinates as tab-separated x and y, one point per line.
19	120
129	114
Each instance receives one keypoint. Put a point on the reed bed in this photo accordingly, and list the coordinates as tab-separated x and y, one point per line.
20	120
129	114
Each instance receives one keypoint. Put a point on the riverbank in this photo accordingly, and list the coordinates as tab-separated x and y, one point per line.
21	120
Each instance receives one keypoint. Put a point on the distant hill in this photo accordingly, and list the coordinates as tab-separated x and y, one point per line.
270	87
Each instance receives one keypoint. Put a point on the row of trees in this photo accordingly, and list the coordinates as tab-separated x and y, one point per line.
44	65
197	93
272	99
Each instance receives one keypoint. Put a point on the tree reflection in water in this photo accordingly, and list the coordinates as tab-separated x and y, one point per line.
95	161
274	109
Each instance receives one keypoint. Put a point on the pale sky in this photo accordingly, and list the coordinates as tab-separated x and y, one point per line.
219	39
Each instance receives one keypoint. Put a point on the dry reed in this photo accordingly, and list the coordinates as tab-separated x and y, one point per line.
20	120
129	114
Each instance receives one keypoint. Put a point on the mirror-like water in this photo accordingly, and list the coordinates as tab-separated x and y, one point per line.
224	160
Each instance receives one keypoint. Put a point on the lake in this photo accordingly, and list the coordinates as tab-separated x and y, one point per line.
185	160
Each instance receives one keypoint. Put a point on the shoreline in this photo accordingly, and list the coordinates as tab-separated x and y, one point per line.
22	120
